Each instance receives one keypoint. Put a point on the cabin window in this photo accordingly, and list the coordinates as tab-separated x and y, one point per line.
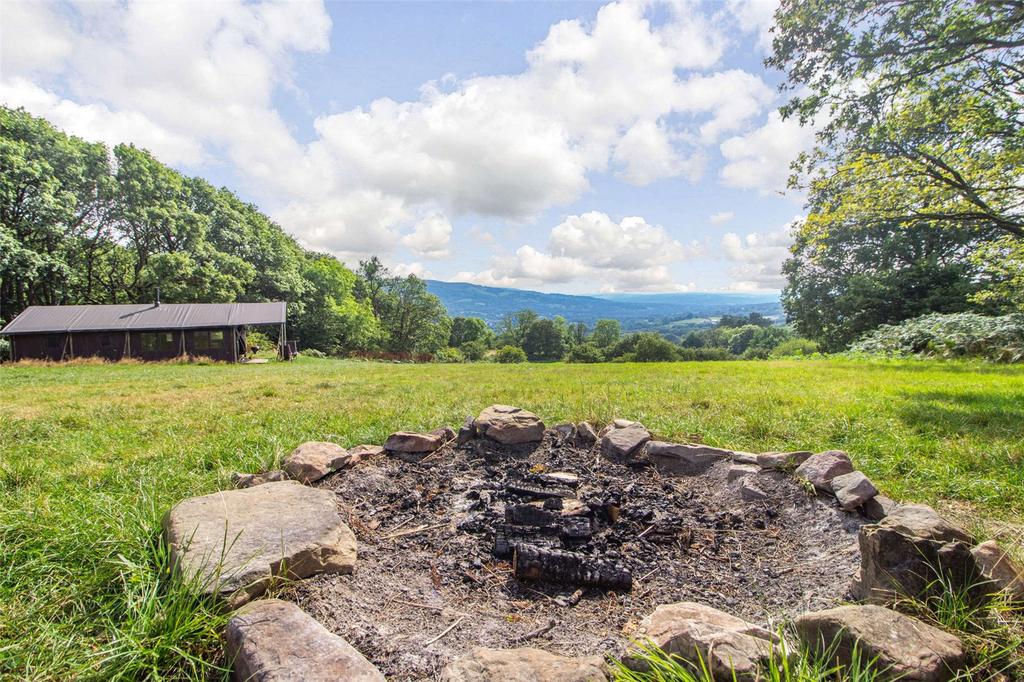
157	341
212	340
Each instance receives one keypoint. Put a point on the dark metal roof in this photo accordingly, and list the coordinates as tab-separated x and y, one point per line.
43	319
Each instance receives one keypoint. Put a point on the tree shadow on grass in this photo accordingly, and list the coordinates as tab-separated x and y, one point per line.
978	413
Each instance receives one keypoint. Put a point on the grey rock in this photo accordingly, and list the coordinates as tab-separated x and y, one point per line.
446	433
821	468
509	425
467	432
564	432
853	489
407	441
585	434
240	480
234	541
738	471
782	460
750	492
275	641
620	443
906	649
312	461
902	553
357	454
744	457
725	642
523	665
878	507
998	567
683	459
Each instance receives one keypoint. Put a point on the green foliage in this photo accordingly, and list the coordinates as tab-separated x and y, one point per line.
544	340
606	333
845	280
5	349
474	350
962	335
449	355
585	352
414	320
513	328
510	355
313	353
468	330
652	347
794	346
1000	266
756	319
704	354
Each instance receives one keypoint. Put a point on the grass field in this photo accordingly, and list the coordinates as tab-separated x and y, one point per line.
91	456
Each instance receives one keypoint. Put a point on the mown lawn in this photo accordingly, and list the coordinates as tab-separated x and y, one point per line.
92	455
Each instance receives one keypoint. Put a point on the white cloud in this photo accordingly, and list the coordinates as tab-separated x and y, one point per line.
756	16
593	249
758	258
353	226
760	159
721	217
24	48
430	237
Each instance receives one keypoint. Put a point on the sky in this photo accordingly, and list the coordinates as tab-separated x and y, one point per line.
570	147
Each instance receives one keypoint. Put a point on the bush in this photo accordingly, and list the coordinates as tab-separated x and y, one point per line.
797	346
704	354
449	355
474	350
585	352
510	354
654	348
313	353
5	350
956	335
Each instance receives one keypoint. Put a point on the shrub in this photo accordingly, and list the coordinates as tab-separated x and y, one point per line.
510	354
954	335
654	348
585	352
313	353
797	346
474	350
5	350
449	355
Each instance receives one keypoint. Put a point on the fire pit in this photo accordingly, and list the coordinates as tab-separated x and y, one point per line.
561	544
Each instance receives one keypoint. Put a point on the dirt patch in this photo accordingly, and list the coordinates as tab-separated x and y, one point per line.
434	577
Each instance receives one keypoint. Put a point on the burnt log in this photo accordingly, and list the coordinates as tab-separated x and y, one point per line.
537	492
508	536
529	515
530	562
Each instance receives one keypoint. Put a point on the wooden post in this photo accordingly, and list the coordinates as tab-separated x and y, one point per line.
71	344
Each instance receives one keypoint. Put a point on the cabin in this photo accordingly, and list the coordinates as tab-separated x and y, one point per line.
148	331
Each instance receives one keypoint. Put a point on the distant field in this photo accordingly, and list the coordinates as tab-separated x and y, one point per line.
91	456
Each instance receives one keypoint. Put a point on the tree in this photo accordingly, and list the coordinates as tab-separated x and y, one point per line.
606	333
333	321
845	282
544	340
919	107
414	320
1000	268
585	352
651	347
469	329
513	327
510	355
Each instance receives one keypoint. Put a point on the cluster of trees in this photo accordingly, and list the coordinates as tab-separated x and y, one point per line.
526	336
915	191
81	223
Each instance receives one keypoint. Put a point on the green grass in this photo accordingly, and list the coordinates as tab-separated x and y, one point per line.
91	456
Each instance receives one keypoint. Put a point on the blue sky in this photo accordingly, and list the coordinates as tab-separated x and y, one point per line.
572	147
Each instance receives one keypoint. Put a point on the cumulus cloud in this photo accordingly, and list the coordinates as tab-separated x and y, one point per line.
721	217
760	159
430	237
757	258
593	249
756	16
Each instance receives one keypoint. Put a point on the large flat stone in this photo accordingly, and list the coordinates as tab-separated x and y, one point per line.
407	441
312	461
906	649
275	641
821	468
853	489
509	425
999	568
523	665
234	541
727	644
684	459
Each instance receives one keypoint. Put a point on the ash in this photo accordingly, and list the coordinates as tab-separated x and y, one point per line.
552	546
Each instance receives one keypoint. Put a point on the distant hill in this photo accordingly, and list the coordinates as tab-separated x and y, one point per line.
634	311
